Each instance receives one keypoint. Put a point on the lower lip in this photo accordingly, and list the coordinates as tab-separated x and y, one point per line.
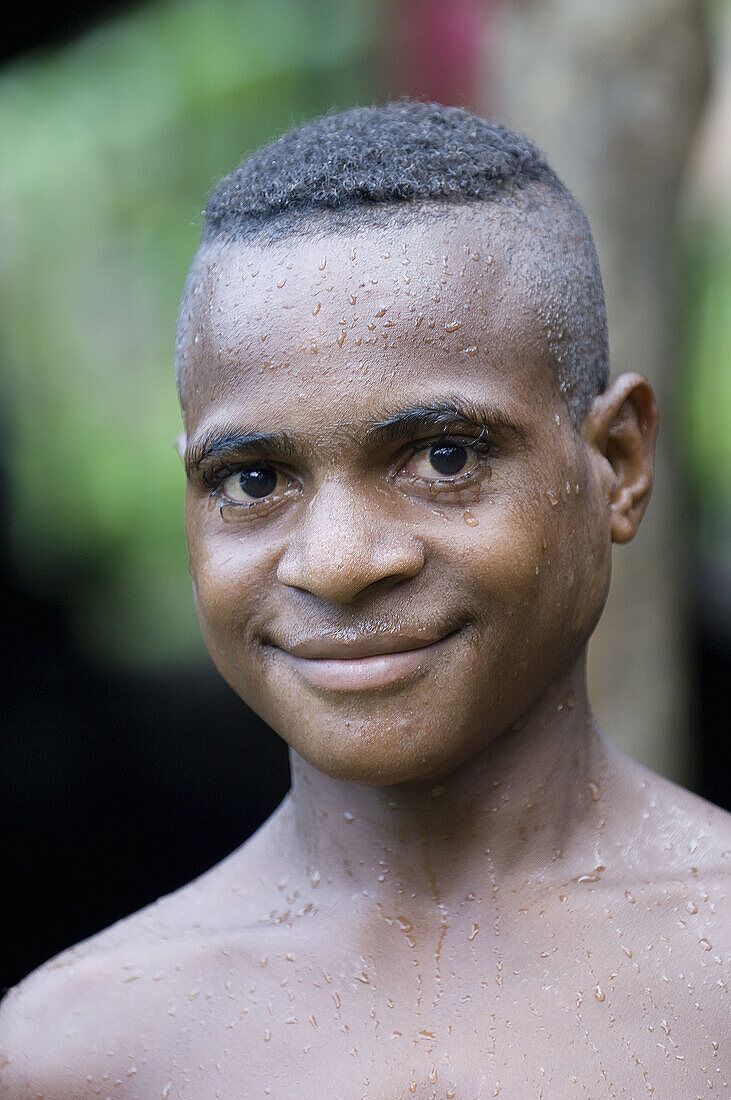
363	673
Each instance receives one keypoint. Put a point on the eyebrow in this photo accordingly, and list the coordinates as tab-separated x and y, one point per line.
438	415
217	444
398	427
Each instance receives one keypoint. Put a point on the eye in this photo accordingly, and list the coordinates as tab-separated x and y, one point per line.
442	459
253	483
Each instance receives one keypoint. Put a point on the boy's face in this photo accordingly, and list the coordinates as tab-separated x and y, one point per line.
387	596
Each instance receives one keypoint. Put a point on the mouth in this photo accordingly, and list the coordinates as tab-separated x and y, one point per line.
362	664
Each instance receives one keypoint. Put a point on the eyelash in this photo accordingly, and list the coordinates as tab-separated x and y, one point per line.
481	444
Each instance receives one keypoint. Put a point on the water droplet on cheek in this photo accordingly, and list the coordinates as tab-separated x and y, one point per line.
470	519
552	497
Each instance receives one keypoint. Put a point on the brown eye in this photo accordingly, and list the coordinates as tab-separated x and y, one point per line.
252	484
448	458
442	461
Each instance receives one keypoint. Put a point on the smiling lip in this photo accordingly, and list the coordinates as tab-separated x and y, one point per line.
361	664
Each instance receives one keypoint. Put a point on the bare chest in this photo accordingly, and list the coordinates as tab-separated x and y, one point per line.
522	1015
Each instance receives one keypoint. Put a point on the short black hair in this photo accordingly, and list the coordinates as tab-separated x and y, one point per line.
366	164
403	152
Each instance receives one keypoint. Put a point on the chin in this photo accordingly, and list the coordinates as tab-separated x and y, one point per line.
383	755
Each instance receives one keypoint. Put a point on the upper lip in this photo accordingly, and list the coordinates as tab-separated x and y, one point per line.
331	647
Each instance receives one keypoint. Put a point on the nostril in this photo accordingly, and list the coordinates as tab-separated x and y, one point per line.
341	574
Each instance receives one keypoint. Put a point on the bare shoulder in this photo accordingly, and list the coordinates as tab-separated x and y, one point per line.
671	855
677	831
668	840
84	1018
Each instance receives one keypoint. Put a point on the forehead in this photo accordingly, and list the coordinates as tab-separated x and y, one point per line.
339	327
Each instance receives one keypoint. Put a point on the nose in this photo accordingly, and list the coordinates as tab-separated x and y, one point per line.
347	544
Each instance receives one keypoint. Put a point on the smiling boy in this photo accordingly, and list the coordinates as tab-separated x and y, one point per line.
406	468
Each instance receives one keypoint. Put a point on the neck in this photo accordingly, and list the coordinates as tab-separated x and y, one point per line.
525	808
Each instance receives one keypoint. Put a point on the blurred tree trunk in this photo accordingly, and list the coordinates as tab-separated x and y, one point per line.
612	90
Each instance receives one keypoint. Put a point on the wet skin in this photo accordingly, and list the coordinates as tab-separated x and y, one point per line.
497	571
469	892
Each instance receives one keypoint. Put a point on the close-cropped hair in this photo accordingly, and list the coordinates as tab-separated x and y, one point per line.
408	160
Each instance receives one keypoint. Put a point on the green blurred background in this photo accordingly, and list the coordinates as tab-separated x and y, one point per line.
127	765
110	146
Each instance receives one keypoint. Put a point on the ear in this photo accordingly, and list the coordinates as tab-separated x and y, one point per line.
179	443
621	428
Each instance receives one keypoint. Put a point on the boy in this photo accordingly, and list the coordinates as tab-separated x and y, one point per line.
406	466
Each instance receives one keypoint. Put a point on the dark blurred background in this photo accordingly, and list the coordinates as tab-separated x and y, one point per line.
127	766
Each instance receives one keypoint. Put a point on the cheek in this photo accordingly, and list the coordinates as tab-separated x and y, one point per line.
227	579
536	568
504	559
574	567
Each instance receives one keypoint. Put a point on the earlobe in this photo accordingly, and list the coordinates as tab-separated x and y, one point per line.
622	427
